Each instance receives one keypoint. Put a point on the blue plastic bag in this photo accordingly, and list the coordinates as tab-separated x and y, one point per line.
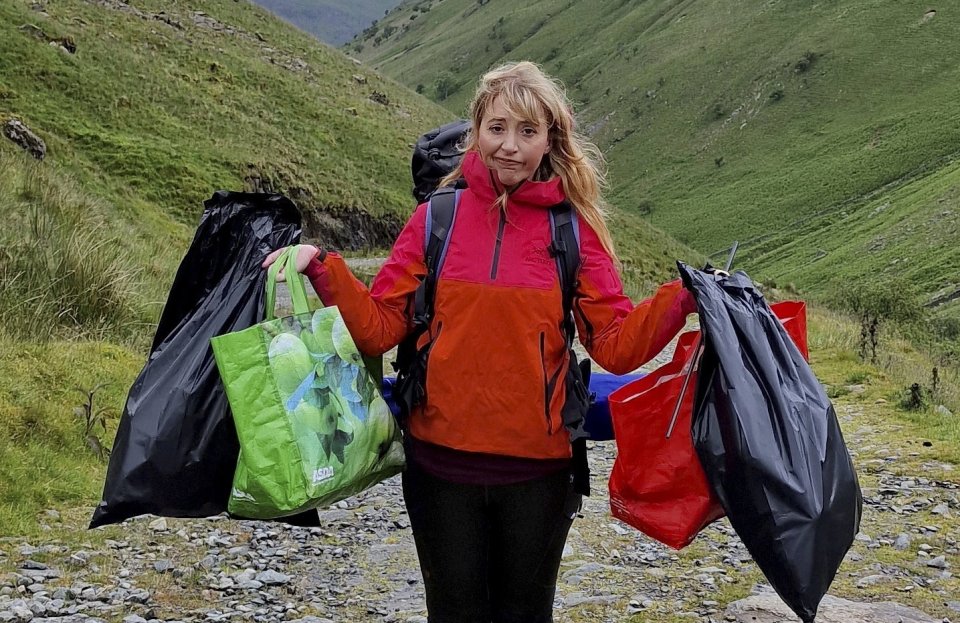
598	424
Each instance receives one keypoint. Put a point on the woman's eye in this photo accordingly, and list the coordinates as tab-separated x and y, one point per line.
495	128
529	131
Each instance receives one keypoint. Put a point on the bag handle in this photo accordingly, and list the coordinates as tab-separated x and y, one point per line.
298	292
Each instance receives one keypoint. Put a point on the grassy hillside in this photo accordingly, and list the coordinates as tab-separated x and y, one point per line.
45	461
146	108
909	232
64	272
731	120
164	102
333	22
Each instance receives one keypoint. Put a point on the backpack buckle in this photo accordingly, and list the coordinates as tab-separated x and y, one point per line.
557	247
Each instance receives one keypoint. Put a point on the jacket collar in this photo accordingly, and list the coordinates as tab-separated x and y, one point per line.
480	181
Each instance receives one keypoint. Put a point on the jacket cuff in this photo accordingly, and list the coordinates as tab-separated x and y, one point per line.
315	268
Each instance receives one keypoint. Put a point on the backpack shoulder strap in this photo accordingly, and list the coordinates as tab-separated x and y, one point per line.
409	388
565	249
441	212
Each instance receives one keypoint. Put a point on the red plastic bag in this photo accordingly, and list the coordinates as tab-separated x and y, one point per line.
657	484
793	315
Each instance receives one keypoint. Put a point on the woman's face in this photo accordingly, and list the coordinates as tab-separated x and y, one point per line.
512	148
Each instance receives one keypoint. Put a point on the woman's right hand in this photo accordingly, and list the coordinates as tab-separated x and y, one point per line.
305	253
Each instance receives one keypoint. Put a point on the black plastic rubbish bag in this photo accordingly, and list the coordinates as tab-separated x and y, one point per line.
770	443
176	447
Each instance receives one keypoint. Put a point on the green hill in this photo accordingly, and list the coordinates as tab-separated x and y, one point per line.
146	108
333	22
162	103
785	125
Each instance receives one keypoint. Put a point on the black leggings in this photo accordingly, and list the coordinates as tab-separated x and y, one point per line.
489	554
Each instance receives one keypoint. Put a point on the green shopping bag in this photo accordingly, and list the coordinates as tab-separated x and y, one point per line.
313	426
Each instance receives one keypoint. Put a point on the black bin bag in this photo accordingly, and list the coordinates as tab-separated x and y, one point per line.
176	447
770	443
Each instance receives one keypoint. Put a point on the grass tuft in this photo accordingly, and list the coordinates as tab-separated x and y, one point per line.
62	273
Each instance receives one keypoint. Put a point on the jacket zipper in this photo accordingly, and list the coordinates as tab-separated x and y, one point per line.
496	249
586	322
434	337
549	383
546	383
426	358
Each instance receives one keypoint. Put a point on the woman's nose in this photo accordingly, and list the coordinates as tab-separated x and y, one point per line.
509	142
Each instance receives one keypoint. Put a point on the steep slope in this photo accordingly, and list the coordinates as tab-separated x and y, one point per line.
146	108
154	105
724	119
333	22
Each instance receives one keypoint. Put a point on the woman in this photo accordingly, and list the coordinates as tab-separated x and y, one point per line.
488	485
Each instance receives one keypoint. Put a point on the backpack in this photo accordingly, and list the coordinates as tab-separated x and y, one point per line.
435	155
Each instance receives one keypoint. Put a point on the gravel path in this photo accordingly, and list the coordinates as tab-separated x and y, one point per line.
360	565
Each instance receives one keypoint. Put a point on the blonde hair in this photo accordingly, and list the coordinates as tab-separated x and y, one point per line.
529	94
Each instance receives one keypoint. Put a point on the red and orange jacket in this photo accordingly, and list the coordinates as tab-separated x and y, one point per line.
495	374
